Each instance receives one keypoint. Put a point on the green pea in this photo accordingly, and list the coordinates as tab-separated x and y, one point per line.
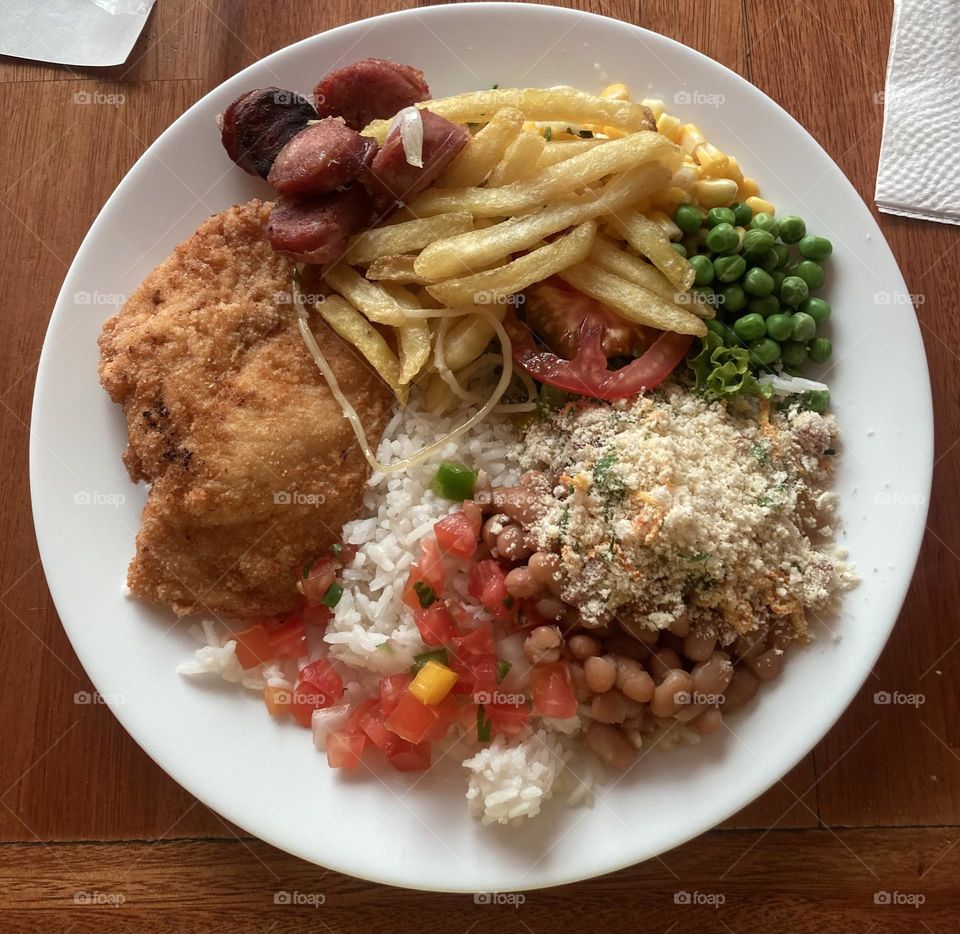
778	275
767	222
817	308
718	327
756	243
680	248
779	327
764	306
818	248
819	350
742	213
783	255
716	216
765	351
793	353
811	273
749	327
768	261
793	290
804	327
702	269
729	268
757	282
732	298
792	228
687	218
818	400
723	238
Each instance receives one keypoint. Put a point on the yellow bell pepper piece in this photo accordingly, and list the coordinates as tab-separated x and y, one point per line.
432	683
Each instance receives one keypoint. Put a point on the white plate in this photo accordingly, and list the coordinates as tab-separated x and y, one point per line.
218	742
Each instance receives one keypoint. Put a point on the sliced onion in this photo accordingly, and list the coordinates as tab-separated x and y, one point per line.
786	385
411	134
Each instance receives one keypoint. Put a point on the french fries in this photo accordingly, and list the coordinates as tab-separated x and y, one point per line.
633	303
554	182
519	161
405	236
646	237
494	285
355	329
372	299
555	152
477	248
396	269
414	336
466	339
484	150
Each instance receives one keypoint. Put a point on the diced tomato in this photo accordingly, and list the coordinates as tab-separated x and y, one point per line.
359	712
446	713
317	580
477	673
456	535
507	719
410	758
318	615
486	582
431	563
477	642
289	640
435	624
253	646
474	515
552	691
344	750
306	699
277	700
372	725
321	674
416	587
412	720
391	690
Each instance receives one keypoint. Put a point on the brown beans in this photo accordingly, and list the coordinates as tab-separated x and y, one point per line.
579	681
518	502
545	567
681	625
510	544
583	647
743	685
698	646
708	722
492	529
610	707
713	675
661	661
551	607
632	680
750	645
668	696
543	644
767	665
601	672
520	583
610	745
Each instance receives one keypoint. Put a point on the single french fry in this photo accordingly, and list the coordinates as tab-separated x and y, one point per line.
468	338
413	336
405	237
396	269
559	151
519	161
483	150
554	182
646	237
494	285
477	248
369	297
631	301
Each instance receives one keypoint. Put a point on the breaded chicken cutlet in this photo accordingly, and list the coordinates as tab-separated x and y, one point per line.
253	469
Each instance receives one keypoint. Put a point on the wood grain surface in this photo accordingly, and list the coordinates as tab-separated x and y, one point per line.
861	836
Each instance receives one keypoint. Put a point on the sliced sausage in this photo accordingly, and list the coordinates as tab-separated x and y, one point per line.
371	89
315	228
393	180
258	124
321	158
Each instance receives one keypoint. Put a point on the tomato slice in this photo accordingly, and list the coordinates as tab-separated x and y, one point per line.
418	590
372	725
477	674
506	718
477	642
410	758
486	582
344	750
435	624
317	579
586	374
457	535
359	712
289	640
431	564
391	690
254	646
306	699
552	690
446	712
411	720
322	674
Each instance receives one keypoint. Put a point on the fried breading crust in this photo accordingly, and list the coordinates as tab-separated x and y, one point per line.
253	469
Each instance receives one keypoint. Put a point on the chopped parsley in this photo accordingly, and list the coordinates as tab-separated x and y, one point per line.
503	668
484	726
426	595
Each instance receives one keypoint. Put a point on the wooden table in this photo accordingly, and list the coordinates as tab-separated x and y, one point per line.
874	808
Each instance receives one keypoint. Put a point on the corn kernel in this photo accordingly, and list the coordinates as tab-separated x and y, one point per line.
685	176
690	138
760	206
432	683
734	172
715	192
713	162
749	189
669	199
654	106
669	126
616	92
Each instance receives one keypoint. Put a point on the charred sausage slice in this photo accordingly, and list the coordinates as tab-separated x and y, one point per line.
321	158
258	124
371	89
315	228
392	180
